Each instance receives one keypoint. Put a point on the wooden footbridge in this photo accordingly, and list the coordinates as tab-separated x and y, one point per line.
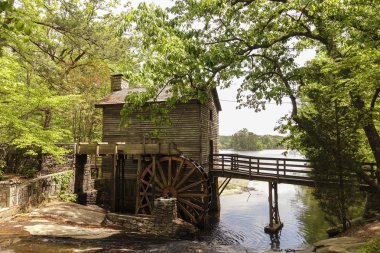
272	170
279	170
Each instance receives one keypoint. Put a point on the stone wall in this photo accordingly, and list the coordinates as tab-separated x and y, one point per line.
84	184
163	222
16	195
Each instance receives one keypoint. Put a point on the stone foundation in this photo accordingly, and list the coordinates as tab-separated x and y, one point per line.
84	184
16	195
163	222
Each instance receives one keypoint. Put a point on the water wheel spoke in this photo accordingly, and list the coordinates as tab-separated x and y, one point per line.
145	182
163	178
189	203
191	185
178	171
178	177
192	194
170	171
147	172
159	184
185	177
146	194
148	202
187	213
146	189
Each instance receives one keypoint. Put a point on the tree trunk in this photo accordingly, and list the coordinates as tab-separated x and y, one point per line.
374	141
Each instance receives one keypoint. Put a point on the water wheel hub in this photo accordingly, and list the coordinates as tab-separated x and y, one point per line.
169	192
177	177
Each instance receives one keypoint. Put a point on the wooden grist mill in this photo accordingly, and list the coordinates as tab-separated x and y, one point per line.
134	169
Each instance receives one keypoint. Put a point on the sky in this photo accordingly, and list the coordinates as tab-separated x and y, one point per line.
231	119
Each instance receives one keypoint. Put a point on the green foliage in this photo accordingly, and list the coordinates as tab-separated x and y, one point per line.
2	166
372	246
331	139
65	180
56	58
29	172
245	140
6	5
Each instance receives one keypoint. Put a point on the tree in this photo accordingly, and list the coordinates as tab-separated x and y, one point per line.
53	72
202	44
332	141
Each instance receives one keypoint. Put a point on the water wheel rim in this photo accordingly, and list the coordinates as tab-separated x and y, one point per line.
179	177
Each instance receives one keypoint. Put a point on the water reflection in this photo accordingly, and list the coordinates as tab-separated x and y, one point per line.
275	241
244	216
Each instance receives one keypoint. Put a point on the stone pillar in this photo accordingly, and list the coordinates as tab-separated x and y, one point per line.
79	184
165	210
84	185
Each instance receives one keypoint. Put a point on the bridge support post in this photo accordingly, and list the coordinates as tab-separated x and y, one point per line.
275	223
215	200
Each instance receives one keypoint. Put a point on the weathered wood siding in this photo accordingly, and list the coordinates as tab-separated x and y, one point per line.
184	131
209	130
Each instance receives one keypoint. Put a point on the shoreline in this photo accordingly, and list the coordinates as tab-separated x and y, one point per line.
235	186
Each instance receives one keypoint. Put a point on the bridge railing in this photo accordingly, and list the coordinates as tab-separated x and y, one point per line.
252	165
272	167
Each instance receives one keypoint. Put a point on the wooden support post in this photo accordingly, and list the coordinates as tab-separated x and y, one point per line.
222	165
223	185
215	200
275	223
250	168
80	162
258	165
153	182
114	171
139	168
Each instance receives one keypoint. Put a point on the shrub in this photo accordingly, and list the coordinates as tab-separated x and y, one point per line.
29	173
372	246
64	180
2	166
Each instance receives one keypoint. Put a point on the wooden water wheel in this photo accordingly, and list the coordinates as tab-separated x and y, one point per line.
177	177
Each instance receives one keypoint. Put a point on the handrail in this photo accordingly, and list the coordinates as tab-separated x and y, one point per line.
279	168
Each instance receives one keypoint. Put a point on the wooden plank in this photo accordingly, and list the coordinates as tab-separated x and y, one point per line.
86	148
105	149
128	149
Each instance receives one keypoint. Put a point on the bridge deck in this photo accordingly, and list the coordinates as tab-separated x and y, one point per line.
280	170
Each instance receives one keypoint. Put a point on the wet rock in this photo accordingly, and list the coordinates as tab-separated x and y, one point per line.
71	212
336	245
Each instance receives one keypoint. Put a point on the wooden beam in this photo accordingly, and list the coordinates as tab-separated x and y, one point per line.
128	149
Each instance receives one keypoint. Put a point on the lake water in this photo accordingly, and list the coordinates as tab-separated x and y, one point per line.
244	216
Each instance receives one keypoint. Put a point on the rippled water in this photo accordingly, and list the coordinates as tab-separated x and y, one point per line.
244	216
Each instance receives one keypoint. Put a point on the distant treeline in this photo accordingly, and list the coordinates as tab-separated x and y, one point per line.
245	140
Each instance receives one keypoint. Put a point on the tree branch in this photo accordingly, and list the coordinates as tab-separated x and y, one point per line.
248	2
374	98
